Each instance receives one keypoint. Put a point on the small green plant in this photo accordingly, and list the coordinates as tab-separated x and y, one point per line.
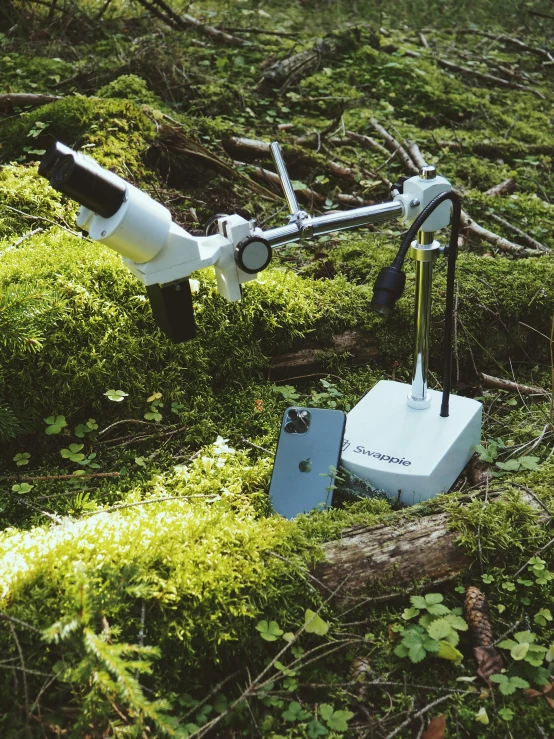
523	647
506	714
436	632
22	488
156	402
508	685
85	428
116	395
269	631
54	425
537	567
288	392
491	451
73	453
327	398
22	459
543	617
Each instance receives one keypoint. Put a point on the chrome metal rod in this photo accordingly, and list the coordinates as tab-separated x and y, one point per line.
333	222
284	177
424	281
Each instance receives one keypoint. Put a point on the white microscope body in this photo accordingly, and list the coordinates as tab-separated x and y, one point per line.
395	438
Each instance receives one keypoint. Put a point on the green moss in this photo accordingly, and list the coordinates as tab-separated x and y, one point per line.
27	203
117	132
128	87
202	569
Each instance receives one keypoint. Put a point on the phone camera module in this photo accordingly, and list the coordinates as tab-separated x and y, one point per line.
293	414
290	428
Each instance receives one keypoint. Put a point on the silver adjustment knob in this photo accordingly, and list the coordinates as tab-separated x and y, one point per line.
429	172
253	254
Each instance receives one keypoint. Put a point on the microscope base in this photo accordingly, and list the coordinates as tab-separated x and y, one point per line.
411	454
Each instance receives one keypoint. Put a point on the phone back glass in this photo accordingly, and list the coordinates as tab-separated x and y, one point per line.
302	473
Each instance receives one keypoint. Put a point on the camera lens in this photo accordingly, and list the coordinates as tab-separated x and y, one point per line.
290	428
293	414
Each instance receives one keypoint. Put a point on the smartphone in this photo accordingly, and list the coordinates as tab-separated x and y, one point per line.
307	457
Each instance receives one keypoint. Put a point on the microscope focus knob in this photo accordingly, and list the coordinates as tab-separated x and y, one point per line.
253	254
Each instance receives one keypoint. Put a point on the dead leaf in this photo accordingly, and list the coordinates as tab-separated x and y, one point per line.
531	694
436	728
550	702
489	662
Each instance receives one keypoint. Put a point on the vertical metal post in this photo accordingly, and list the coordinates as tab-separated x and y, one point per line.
424	251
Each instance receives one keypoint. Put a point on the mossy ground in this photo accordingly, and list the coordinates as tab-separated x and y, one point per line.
192	575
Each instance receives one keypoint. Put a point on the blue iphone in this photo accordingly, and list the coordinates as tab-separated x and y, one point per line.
307	457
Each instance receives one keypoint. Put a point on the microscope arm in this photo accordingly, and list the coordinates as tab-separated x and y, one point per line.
163	255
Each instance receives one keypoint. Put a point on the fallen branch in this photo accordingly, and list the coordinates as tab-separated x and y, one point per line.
538	51
22	99
529	240
512	387
396	147
179	143
311	196
503	188
186	22
416	155
367	142
487	77
499	242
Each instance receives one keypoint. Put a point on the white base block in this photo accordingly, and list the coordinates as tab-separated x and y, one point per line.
411	454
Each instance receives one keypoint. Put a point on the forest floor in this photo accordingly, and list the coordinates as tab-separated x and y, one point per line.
146	587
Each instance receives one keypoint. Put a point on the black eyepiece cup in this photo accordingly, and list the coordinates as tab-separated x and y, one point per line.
48	161
88	184
388	288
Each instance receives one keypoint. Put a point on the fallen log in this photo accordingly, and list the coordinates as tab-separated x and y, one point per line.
22	99
413	549
311	358
416	549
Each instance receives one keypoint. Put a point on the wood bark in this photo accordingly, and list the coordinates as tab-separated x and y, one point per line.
513	387
503	188
413	549
312	358
11	99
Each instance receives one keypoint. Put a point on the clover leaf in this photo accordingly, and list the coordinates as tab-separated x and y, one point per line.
21	488
116	395
54	424
269	631
73	453
22	459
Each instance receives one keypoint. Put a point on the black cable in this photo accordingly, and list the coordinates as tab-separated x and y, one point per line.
450	279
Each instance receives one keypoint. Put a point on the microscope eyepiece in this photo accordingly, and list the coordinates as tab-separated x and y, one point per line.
87	183
49	160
